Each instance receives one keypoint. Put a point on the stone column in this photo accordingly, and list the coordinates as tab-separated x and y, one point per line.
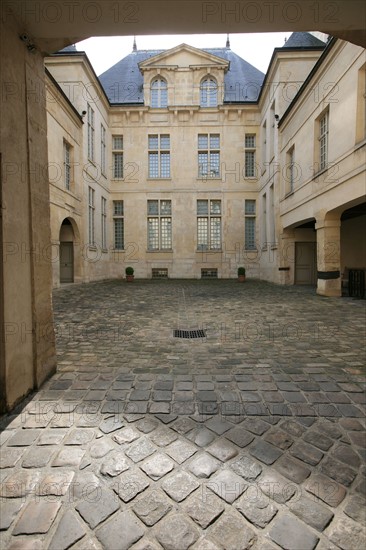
328	232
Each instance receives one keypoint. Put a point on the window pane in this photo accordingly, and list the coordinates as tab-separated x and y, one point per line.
118	142
249	233
203	164
215	207
153	165
165	142
118	233
214	141
202	233
153	233
163	98
153	207
153	142
215	233
202	141
118	208
249	140
118	165
214	164
249	207
249	164
165	207
165	165
166	233
202	207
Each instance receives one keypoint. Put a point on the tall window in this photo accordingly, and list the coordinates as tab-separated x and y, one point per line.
249	242
208	155
323	141
264	220
104	222
208	93
67	165
117	154
102	149
249	155
91	132
209	224
118	225
159	94
159	225
159	156
290	172
91	216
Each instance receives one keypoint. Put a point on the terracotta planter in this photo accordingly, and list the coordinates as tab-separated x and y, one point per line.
241	278
130	278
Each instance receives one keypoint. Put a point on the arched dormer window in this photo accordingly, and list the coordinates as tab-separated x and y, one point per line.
208	91
159	94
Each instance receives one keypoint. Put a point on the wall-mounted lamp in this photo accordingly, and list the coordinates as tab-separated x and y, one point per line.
24	37
277	117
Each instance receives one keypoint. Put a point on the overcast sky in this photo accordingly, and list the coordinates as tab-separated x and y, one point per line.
256	48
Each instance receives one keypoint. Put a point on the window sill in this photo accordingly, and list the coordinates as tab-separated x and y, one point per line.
289	194
205	178
251	178
211	250
118	250
360	144
104	250
160	250
320	172
92	247
159	179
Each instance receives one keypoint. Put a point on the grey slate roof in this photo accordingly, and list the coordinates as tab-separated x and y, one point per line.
123	82
303	40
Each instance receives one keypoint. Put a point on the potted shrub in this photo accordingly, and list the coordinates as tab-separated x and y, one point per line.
241	274
129	274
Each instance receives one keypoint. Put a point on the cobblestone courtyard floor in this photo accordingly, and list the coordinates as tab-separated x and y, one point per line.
251	437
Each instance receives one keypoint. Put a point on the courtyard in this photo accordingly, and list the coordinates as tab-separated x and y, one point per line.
244	429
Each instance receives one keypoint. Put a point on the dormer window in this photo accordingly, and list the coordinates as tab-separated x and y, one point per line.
208	93
159	94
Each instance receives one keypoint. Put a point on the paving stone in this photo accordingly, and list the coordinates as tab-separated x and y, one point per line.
139	395
247	468
162	395
18	484
347	455
68	532
287	386
179	485
227	485
218	425
85	486
310	512
350	387
23	438
36	517
318	440
279	409
184	396
27	544
9	509
291	534
121	532
256	507
356	508
208	409
152	507
337	471
180	450
329	428
114	465
328	410
255	425
306	453
51	437
205	385
292	469
54	483
126	435
129	484
94	511
111	424
233	533
201	436
277	487
166	418
136	408
176	532
184	386
183	425
79	437
9	457
163	437
144	544
239	436
206	395
294	396
157	466
350	410
183	409
346	534
164	385
203	466
265	452
140	450
358	439
223	450
325	489
147	425
272	396
203	510
160	408
279	438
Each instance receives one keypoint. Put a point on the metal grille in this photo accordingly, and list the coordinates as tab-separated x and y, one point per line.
198	333
159	273
209	273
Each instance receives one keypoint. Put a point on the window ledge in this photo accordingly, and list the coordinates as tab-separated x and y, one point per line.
205	178
118	250
104	250
159	179
320	172
360	144
289	194
210	250
159	251
92	247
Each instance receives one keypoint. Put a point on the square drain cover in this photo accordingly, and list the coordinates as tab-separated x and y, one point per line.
177	333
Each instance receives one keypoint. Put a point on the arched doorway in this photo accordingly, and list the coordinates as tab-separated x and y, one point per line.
67	238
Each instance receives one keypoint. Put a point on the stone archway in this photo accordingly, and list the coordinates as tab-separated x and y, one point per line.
69	254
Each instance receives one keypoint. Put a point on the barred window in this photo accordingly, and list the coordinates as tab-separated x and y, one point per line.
159	224
208	155
67	165
159	156
249	234
103	147
104	222
91	133
323	141
118	225
159	94
208	224
91	210
250	155
117	154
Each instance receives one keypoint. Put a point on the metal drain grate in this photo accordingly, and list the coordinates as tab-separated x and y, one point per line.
177	333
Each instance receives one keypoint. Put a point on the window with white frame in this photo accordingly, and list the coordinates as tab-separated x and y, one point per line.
118	225
103	147
209	224
208	155
103	213
67	165
208	93
91	133
91	208
159	224
159	156
250	155
249	229
117	156
159	94
323	140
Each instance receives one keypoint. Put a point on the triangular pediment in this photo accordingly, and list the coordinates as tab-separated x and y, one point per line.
184	56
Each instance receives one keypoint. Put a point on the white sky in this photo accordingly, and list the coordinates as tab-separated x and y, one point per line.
256	48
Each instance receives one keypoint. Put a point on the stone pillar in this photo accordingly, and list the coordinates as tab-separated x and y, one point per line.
287	257
328	232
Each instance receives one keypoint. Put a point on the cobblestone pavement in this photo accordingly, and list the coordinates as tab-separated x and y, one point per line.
250	437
